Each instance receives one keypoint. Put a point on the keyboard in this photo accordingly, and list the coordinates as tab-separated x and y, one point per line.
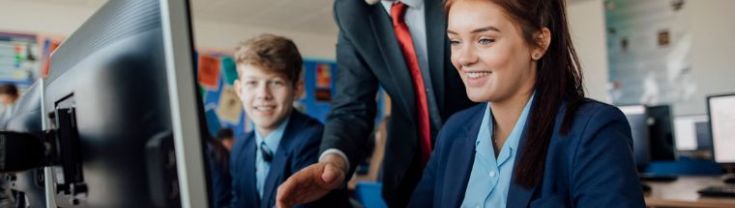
658	178
718	191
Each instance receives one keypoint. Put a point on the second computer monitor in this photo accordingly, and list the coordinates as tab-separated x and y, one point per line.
721	111
638	120
661	135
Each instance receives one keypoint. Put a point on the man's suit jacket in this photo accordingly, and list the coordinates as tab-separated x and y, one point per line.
368	56
591	166
299	148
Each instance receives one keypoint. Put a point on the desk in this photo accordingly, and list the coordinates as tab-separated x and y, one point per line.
683	193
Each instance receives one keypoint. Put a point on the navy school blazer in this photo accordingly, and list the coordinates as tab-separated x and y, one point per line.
299	148
591	166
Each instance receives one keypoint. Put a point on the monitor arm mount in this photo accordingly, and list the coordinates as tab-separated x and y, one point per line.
57	147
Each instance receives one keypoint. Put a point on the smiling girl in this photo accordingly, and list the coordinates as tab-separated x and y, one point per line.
535	141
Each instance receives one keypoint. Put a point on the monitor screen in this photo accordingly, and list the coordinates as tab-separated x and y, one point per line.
686	133
660	133
637	118
704	136
722	123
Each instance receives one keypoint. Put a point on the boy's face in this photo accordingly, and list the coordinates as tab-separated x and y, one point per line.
266	96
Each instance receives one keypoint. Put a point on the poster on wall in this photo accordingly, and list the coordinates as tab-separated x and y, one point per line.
209	67
50	44
230	107
649	44
229	69
323	89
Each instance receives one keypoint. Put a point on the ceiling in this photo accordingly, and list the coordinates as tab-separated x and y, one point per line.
309	16
86	3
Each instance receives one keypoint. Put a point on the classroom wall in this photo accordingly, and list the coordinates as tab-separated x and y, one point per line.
60	19
209	34
34	17
711	28
713	63
587	23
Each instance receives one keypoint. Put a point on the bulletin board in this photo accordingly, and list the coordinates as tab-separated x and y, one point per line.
24	58
649	49
19	58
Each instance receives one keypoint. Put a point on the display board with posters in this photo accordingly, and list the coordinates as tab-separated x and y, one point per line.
649	45
19	58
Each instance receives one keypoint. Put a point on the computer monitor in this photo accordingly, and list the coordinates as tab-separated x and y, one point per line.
122	100
660	133
704	136
638	120
721	111
691	132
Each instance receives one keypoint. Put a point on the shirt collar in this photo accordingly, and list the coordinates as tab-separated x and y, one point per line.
273	139
514	137
409	3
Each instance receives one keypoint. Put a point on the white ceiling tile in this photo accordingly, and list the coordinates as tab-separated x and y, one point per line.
311	16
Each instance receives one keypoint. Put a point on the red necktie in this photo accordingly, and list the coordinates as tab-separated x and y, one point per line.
407	48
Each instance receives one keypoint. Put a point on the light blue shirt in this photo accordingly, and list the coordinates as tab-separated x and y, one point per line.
271	141
490	177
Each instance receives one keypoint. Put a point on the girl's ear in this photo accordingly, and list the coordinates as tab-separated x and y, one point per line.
543	40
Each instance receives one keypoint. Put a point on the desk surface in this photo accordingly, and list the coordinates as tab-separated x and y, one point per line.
683	193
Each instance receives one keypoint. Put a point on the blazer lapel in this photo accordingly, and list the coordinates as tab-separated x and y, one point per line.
436	37
519	196
281	162
248	171
396	65
462	157
276	173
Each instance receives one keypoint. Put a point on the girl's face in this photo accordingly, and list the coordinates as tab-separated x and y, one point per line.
489	51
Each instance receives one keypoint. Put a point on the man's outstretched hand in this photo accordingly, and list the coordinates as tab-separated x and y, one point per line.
312	182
